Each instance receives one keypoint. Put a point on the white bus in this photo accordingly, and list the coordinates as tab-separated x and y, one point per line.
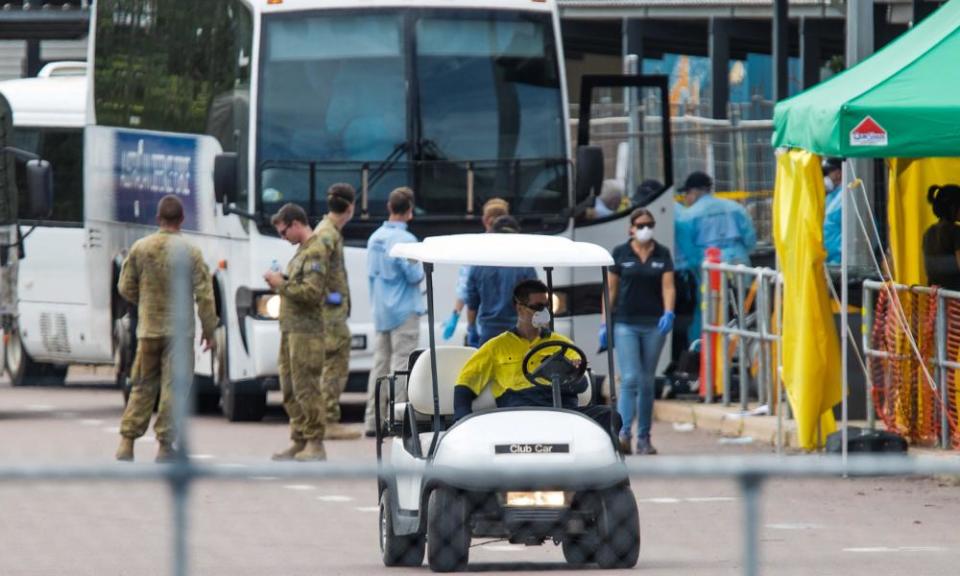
239	106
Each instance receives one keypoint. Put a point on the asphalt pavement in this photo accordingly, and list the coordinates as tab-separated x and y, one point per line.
270	526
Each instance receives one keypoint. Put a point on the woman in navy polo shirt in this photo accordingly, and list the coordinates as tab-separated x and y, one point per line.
643	295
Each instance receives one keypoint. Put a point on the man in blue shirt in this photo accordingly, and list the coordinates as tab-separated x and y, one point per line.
490	306
394	297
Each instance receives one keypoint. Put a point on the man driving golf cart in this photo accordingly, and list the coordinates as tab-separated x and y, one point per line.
498	363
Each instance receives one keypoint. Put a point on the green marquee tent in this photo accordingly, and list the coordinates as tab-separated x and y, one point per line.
902	102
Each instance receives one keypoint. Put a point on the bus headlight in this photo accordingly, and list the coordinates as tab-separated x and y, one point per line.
538	499
268	306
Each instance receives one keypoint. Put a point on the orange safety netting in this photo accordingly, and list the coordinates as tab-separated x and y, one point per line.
901	389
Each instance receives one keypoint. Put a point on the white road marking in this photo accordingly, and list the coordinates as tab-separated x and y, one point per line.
501	548
91	422
368	509
202	456
112	429
39	407
66	415
264	478
885	549
300	487
334	498
692	500
232	465
796	526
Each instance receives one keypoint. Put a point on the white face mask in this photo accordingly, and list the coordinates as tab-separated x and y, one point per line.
828	184
541	319
643	235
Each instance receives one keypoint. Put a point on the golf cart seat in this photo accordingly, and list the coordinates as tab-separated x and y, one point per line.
450	361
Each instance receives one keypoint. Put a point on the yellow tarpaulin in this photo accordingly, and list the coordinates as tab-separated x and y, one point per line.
910	214
811	350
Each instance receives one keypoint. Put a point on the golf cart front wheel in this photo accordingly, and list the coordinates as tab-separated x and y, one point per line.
397	550
618	526
448	531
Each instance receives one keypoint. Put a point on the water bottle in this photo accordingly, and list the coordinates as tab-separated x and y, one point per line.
274	265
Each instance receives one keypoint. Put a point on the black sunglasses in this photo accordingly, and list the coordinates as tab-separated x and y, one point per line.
644	224
535	307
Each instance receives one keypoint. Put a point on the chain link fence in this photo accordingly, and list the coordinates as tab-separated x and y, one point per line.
559	480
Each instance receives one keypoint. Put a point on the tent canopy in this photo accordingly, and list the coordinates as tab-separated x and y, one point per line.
902	102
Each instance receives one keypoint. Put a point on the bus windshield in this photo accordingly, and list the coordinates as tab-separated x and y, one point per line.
424	98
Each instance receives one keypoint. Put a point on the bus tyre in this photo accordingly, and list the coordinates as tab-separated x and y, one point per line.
24	371
398	550
448	531
241	400
618	528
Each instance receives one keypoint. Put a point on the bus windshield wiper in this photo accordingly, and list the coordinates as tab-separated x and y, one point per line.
387	163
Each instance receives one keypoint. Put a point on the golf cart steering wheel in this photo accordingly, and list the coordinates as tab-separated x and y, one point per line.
556	367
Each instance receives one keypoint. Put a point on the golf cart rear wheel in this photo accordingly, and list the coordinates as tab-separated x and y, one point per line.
618	527
397	550
448	531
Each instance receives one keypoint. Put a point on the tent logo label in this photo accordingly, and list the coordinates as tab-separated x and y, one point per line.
868	133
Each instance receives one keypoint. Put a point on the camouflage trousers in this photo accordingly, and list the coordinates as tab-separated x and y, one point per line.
336	367
301	366
152	375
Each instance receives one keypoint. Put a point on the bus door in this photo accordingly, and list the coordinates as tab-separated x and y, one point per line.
624	161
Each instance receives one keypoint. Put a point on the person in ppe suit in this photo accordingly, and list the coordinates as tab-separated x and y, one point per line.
708	221
833	213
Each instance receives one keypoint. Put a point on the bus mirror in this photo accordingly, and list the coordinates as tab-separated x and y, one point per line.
589	171
40	188
225	176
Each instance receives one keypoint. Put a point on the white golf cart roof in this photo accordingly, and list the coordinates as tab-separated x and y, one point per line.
504	250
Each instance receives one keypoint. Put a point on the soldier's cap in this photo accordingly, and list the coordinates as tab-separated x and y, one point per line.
697	180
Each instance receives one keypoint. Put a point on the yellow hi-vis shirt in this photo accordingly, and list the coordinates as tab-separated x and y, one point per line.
498	364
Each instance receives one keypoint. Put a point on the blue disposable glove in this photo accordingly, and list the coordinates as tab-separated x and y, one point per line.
451	325
603	339
473	336
334	298
666	322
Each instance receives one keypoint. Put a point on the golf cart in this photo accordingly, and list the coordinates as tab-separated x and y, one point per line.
526	475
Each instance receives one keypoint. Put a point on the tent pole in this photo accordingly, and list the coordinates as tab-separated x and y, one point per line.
844	301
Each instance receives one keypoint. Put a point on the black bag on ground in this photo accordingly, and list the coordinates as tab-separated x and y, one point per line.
860	440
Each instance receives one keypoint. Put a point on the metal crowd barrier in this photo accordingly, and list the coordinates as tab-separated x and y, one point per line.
942	366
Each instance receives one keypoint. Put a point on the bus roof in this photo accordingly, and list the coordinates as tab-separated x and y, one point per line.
269	6
58	101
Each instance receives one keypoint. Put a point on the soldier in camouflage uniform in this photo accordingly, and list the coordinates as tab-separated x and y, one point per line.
145	282
336	309
302	291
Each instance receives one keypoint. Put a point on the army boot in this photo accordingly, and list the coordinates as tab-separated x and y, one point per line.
314	452
289	453
125	451
339	431
165	452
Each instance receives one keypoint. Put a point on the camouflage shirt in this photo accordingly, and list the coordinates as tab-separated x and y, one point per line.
305	289
145	281
330	236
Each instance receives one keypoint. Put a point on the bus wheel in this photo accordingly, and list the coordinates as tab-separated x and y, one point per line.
240	400
24	371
